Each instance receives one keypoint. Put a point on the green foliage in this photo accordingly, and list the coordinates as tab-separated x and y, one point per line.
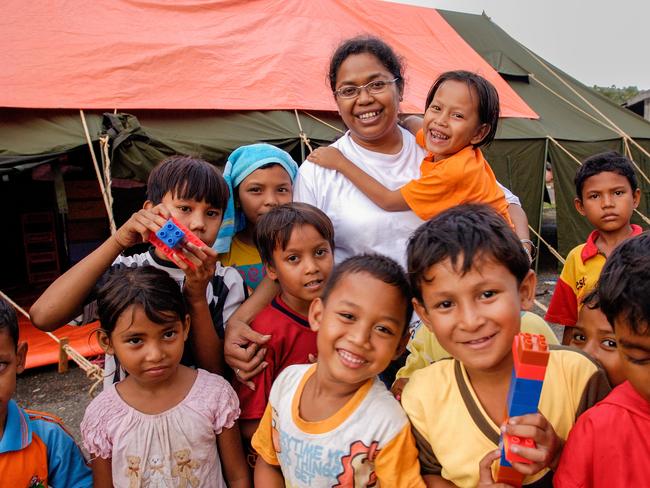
616	94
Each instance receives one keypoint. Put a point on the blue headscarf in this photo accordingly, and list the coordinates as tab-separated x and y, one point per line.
241	163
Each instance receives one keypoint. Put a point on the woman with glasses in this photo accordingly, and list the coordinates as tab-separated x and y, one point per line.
367	80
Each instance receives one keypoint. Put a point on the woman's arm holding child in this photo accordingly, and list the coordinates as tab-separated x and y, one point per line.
233	459
331	158
64	298
102	472
267	475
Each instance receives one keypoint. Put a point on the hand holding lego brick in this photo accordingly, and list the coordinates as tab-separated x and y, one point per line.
197	276
546	445
485	477
141	225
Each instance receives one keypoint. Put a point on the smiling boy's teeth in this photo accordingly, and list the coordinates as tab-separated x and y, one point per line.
368	115
350	357
439	135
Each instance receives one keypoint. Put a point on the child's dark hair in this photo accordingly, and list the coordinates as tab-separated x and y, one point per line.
367	45
488	99
591	300
378	266
624	285
151	288
469	232
9	320
608	161
274	228
187	178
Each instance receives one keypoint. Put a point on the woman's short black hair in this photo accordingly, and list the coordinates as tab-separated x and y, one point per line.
188	178
624	284
148	287
274	228
469	232
488	99
378	266
370	45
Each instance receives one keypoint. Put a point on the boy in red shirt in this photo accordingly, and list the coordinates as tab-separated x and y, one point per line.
609	446
296	244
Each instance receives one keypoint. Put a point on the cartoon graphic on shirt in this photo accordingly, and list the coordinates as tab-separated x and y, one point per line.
275	435
184	469
358	466
154	476
133	471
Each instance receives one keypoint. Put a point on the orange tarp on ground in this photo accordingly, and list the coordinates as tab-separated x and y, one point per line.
215	54
43	350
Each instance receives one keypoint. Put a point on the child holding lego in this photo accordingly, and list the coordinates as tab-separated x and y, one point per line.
594	335
609	446
425	349
260	177
194	193
461	115
165	424
471	279
296	243
35	450
606	194
334	423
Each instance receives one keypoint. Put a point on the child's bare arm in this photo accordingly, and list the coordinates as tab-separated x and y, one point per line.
242	346
548	444
330	157
267	476
204	340
102	473
233	459
64	298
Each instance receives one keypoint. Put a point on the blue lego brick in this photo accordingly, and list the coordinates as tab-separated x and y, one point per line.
503	461
170	234
517	409
524	391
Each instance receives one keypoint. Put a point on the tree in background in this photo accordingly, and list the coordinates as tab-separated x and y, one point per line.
618	95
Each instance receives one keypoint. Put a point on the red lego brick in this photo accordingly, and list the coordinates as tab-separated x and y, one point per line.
530	356
509	476
513	440
169	252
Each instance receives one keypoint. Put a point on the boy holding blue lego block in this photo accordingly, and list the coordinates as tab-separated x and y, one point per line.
194	193
471	278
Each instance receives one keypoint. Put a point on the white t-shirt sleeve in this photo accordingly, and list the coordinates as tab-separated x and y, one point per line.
511	198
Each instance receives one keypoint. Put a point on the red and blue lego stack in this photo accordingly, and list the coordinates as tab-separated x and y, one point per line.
170	240
530	356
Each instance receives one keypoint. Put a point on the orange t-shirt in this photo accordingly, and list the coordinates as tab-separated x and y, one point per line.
465	177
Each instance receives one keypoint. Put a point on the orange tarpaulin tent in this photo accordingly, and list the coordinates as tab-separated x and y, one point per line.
215	54
44	350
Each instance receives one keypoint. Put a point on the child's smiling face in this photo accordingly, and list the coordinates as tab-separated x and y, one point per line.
360	328
475	315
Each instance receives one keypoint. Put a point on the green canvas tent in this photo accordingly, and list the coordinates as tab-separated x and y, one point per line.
574	122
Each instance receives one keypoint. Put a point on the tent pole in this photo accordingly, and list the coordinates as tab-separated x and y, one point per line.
541	205
100	180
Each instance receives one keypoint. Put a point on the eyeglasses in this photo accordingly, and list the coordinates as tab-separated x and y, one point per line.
373	87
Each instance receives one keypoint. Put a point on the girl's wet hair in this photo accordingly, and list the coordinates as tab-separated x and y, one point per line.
488	99
152	289
367	45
